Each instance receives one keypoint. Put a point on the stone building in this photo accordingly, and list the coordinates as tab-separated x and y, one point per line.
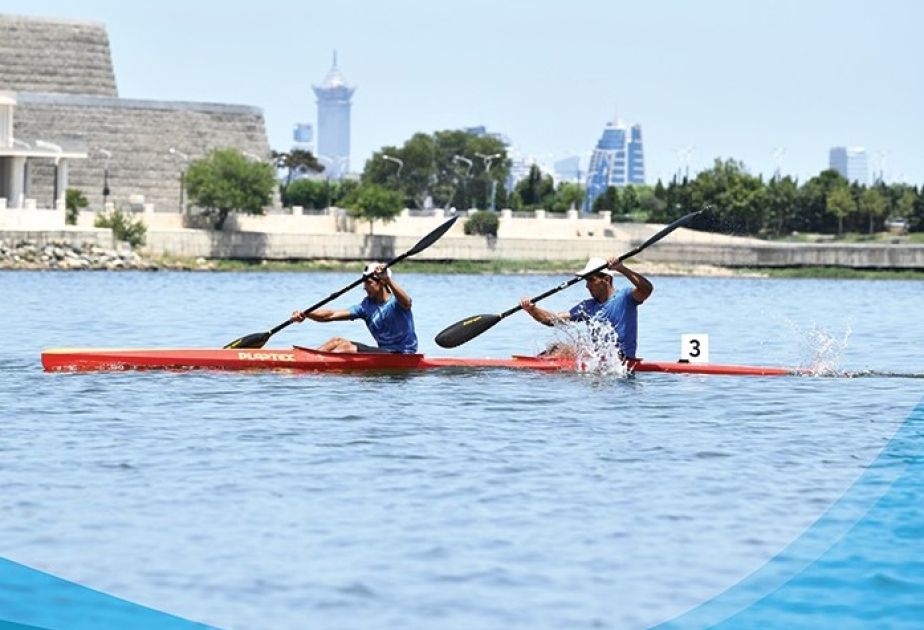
61	74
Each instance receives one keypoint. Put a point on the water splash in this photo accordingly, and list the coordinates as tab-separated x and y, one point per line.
821	351
594	345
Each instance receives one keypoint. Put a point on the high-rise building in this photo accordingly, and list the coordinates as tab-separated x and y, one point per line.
617	160
303	134
334	121
568	169
850	162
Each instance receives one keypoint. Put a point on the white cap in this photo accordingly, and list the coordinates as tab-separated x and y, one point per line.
595	263
371	267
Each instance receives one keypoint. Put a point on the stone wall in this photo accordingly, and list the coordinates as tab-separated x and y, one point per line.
54	55
139	135
347	246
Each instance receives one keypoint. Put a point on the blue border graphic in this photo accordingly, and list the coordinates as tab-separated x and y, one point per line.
860	565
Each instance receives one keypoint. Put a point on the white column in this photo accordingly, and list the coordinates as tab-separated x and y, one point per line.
62	184
16	175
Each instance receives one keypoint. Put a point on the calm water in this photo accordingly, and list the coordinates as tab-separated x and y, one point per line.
456	499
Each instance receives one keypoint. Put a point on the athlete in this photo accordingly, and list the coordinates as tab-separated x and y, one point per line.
386	310
606	304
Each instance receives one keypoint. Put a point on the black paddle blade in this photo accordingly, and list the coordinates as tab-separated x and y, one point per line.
432	237
465	330
256	340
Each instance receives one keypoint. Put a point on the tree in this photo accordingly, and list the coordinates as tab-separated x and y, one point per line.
841	204
536	190
371	202
812	213
780	199
296	161
307	193
873	204
611	200
74	201
904	209
568	196
429	170
225	181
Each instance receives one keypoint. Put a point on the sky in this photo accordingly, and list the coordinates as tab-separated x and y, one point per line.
722	78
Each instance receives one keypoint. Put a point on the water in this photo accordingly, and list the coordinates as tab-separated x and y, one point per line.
453	499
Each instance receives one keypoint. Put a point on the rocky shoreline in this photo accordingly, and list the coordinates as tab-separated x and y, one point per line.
67	256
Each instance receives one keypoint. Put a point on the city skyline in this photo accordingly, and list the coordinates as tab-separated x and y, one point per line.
713	80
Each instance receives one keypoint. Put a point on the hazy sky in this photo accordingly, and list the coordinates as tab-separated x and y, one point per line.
730	78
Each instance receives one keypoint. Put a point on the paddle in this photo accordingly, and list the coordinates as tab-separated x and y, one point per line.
258	340
470	327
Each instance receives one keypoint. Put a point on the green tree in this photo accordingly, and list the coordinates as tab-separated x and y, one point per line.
74	202
734	195
536	190
874	205
225	181
779	200
611	200
307	193
429	169
371	201
296	161
812	213
905	207
569	195
841	204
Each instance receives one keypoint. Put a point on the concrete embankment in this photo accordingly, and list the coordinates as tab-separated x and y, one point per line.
683	247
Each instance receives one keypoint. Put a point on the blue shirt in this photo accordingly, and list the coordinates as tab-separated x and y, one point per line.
391	325
621	311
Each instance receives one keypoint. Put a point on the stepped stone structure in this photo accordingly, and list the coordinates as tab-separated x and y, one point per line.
62	74
52	55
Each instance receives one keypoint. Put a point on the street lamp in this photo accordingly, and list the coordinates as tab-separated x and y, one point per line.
185	159
58	150
108	156
464	160
397	161
487	159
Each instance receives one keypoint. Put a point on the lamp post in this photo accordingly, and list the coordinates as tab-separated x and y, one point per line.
58	150
108	156
397	161
487	159
185	159
468	171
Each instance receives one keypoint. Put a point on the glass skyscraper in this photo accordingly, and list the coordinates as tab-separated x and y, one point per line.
850	162
617	160
334	122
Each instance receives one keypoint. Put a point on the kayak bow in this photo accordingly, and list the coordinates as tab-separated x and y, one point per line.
306	359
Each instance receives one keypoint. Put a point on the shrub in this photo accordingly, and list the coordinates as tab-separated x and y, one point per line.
123	226
74	201
483	222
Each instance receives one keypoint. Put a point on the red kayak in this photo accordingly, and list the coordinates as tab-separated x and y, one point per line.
305	359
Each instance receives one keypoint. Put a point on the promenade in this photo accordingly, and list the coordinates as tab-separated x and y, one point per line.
534	236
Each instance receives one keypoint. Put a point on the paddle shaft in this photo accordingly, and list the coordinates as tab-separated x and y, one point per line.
257	340
335	295
651	241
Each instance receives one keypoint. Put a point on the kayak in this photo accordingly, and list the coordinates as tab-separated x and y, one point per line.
306	359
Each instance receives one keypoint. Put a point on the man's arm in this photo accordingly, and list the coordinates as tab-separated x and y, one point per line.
322	315
543	316
643	287
400	294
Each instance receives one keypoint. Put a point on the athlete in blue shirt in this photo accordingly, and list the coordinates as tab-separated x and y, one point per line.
618	307
386	309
